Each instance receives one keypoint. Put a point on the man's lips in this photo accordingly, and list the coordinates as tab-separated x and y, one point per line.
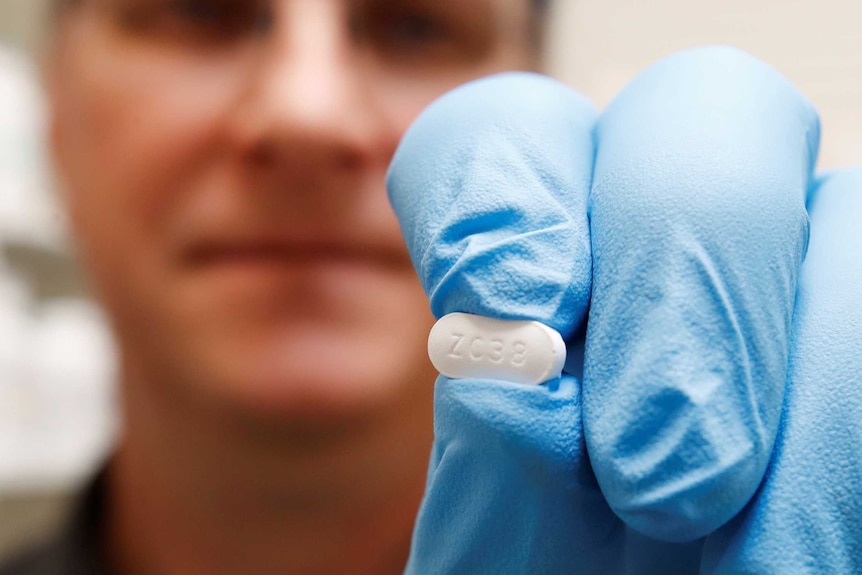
219	253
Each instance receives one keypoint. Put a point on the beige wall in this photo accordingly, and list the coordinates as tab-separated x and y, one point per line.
598	45
19	21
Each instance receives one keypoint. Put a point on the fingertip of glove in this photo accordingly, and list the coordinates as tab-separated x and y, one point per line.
490	186
725	83
707	139
508	103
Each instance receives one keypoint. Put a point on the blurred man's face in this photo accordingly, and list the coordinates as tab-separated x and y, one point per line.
224	165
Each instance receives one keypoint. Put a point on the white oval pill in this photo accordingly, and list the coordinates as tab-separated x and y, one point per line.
463	345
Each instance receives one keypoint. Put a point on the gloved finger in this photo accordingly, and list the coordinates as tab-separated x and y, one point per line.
807	515
698	229
491	186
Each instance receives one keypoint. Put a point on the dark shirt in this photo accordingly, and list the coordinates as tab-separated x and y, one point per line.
77	549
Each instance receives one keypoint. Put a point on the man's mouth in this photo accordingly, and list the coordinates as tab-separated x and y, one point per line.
291	254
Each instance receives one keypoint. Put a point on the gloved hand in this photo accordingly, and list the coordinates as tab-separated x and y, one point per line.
807	515
697	227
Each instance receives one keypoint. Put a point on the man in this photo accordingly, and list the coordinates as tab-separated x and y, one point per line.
224	165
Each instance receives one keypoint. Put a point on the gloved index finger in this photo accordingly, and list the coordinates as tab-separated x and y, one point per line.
699	229
490	185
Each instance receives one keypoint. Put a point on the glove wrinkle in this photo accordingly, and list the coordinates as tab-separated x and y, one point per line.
698	229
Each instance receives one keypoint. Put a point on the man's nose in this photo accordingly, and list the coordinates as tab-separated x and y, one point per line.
307	101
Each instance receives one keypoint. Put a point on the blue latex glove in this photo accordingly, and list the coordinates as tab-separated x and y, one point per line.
807	516
698	228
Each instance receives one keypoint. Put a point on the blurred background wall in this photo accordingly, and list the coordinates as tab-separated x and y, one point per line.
598	45
55	360
20	21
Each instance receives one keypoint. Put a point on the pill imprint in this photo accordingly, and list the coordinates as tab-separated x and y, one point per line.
464	345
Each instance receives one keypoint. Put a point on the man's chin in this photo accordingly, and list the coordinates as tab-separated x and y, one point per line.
317	377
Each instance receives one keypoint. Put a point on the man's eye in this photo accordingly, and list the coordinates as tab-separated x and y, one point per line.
416	30
195	20
403	31
228	16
